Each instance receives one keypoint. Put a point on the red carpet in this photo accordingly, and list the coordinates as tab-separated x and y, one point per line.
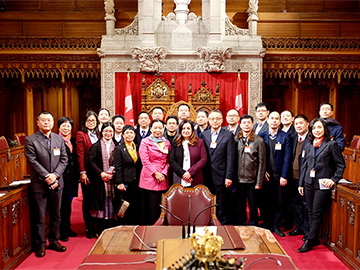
78	247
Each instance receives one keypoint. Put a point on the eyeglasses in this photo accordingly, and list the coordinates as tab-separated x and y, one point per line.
232	115
90	121
215	118
263	110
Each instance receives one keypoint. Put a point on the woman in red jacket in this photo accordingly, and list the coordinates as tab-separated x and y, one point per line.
84	140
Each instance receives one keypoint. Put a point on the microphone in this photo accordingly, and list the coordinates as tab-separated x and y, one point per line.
188	230
207	207
183	223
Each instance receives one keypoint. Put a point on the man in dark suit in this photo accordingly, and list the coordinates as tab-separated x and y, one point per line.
279	156
220	148
143	127
233	117
46	155
298	203
287	119
118	122
262	113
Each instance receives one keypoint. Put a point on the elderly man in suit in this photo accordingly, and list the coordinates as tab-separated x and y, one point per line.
279	157
46	155
221	151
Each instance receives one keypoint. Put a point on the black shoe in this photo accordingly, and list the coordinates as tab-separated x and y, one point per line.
71	233
40	252
90	235
295	232
57	247
308	245
304	237
279	232
64	238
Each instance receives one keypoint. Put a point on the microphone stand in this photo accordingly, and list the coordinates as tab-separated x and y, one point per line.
207	207
183	223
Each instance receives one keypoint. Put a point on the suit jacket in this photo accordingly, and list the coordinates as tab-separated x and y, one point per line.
291	131
263	128
283	157
328	162
83	144
43	161
222	159
126	171
138	138
71	174
198	160
120	142
237	131
303	147
153	160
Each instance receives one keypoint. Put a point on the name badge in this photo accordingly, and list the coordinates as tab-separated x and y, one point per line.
247	149
165	151
303	154
278	146
213	145
312	173
56	151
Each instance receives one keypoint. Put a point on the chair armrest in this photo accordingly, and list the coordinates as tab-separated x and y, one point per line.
160	221
215	222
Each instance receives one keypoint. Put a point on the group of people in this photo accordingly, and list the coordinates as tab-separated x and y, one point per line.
281	167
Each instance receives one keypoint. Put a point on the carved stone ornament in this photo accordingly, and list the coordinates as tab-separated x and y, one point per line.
149	58
232	30
214	58
253	7
109	10
132	29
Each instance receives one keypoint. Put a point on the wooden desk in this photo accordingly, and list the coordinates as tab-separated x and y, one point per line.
117	241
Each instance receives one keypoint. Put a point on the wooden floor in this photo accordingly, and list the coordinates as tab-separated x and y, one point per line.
117	241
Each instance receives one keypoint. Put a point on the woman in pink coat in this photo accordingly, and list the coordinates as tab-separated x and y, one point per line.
154	153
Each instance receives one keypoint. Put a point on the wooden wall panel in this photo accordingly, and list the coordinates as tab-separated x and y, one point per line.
319	30
350	29
12	28
341	6
272	6
43	29
278	29
304	5
84	29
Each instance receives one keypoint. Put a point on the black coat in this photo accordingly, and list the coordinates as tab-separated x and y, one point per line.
71	174
96	182
126	171
328	163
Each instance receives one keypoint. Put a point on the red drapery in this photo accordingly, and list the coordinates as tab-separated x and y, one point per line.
227	83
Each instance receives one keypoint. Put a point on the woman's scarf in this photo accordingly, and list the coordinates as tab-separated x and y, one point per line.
132	150
317	142
67	141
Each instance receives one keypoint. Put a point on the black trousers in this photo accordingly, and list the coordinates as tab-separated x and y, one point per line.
65	212
150	204
246	192
223	195
299	209
38	204
87	197
317	202
274	203
133	196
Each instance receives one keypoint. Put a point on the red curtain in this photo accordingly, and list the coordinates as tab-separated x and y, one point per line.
227	83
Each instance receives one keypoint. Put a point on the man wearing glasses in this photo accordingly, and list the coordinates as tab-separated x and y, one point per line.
262	113
220	148
233	117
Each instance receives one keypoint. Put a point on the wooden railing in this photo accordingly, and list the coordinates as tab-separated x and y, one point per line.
13	165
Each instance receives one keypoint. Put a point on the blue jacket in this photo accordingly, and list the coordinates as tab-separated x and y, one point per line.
336	132
283	157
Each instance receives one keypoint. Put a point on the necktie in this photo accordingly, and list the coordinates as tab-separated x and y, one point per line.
143	134
300	139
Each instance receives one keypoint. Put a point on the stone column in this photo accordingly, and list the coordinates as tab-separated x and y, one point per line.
213	14
110	17
181	10
149	13
253	18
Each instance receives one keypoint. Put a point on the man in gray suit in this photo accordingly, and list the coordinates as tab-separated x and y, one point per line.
46	155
